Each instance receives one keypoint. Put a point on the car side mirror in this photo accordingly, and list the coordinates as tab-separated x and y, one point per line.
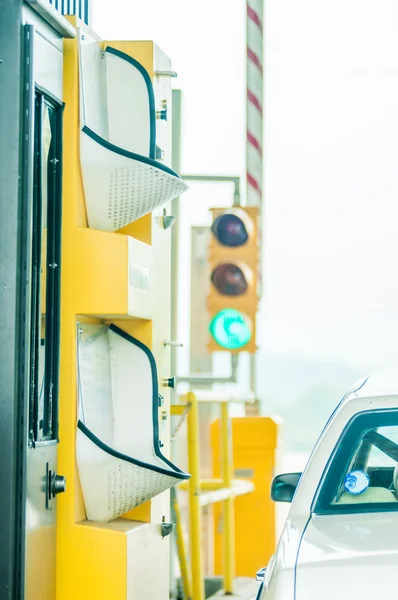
284	487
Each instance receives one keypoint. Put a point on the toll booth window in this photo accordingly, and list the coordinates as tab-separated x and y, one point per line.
46	243
364	474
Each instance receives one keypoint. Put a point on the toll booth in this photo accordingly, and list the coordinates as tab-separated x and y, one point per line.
86	136
254	456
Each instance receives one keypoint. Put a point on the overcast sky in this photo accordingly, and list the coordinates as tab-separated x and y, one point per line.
331	191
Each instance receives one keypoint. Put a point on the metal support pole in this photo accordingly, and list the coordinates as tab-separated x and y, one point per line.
194	492
219	179
254	103
175	209
254	409
254	127
229	517
208	378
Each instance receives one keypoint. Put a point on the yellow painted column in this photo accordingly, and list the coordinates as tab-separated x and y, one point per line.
91	560
182	554
194	505
229	521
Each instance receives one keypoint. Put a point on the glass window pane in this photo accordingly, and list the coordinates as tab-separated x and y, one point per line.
365	470
45	142
46	234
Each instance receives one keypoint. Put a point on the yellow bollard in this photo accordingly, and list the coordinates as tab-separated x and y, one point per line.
229	520
194	492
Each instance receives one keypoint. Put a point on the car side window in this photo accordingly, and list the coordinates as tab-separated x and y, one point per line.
363	473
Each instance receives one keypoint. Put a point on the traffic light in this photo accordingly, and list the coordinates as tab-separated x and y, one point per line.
233	299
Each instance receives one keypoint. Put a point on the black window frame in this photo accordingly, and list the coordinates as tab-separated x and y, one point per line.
346	447
47	431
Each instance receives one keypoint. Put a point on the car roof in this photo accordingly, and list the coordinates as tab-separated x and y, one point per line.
380	383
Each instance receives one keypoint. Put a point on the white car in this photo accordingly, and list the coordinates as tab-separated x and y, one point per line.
340	539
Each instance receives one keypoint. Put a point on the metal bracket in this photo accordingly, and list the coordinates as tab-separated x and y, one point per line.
173	343
218	179
167	529
209	378
168	221
166	74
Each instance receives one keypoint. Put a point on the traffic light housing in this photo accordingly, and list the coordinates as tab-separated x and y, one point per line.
233	297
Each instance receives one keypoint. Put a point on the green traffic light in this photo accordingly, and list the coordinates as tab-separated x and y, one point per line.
230	329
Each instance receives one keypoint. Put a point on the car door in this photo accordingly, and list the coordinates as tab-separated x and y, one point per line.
350	544
279	574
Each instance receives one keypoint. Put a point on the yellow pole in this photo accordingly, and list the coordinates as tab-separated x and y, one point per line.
194	506
229	525
182	554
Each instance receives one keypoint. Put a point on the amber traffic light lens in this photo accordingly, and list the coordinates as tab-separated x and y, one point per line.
230	230
229	280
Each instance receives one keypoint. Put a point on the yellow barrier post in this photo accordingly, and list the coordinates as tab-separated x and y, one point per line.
229	524
182	555
206	492
194	504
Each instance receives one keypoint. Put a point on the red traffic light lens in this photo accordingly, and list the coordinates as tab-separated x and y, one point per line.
229	280
230	230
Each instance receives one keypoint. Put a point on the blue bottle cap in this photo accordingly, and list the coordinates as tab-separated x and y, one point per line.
356	482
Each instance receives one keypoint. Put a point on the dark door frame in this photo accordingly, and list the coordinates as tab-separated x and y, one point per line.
15	148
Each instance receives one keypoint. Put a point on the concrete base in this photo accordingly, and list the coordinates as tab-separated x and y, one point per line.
245	588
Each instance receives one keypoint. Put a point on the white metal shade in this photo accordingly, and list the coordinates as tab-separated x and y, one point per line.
121	178
118	452
121	187
131	114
